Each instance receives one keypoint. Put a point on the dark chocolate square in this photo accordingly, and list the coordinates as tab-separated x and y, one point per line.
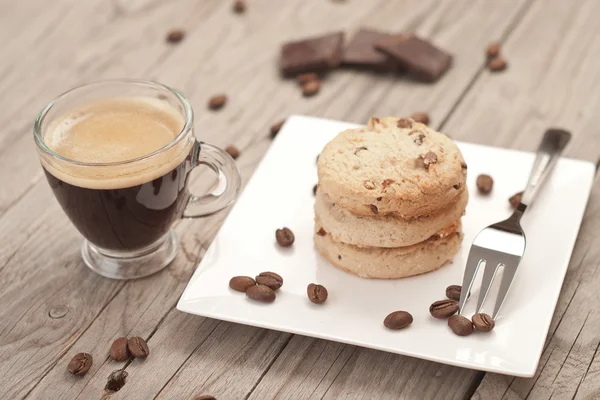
422	59
316	54
361	51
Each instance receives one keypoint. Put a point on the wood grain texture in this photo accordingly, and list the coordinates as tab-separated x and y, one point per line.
554	86
73	42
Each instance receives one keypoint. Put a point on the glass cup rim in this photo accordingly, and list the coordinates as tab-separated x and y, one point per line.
188	121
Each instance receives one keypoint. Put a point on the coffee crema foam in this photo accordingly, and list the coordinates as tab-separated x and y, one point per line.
112	131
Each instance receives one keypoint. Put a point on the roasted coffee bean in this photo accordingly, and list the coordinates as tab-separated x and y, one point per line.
116	380
241	283
239	6
308	77
398	320
485	183
493	50
460	325
80	364
311	88
317	293
285	237
175	36
217	102
118	350
443	308
315	189
453	292
138	347
421	117
497	64
275	128
483	322
261	293
515	199
233	152
205	397
270	279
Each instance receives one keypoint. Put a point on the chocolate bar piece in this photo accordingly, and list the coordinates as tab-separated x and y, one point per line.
316	54
361	51
422	59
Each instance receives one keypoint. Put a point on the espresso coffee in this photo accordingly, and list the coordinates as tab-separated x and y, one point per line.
132	195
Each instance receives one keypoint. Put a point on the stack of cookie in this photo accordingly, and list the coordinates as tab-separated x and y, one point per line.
390	199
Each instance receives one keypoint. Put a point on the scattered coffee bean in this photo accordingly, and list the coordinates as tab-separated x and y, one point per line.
460	325
443	308
175	36
307	77
217	102
241	283
485	183
515	199
233	152
285	237
483	322
421	117
119	351
493	50
497	64
116	380
205	397
315	189
270	279
311	88
453	292
138	347
316	293
398	320
261	293
80	364
239	6
275	128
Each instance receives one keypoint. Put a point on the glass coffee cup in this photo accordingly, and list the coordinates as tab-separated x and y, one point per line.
117	155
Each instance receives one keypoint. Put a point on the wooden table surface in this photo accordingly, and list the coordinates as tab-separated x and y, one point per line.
52	306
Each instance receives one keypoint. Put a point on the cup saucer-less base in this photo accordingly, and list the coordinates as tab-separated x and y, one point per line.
142	263
280	194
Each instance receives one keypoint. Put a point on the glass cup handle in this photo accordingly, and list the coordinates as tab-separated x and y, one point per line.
229	182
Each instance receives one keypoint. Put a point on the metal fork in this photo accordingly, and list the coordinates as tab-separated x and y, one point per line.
502	244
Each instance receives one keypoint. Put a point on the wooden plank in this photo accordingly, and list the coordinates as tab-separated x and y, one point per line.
128	41
176	391
243	65
555	85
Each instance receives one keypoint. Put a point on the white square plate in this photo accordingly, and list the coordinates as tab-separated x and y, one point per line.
280	194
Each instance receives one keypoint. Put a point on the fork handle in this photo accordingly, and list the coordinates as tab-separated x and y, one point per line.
554	142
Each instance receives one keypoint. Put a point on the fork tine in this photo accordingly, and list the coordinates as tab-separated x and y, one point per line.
510	268
490	271
473	263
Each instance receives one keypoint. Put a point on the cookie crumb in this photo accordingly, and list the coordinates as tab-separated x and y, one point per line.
369	185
